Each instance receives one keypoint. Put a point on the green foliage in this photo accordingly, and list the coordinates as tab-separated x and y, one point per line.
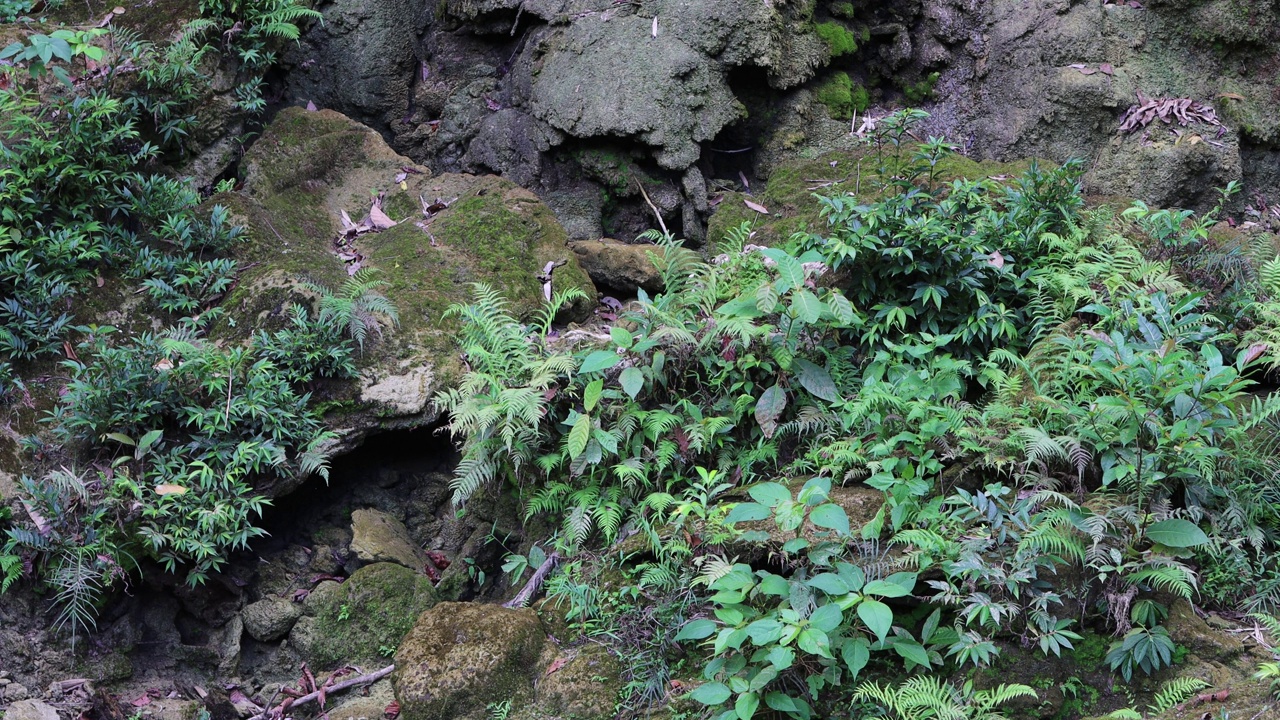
38	51
918	92
253	30
1028	388
1145	649
1175	692
926	696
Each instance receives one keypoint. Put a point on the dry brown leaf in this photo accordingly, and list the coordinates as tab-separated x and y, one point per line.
1077	66
1231	96
380	219
655	26
559	663
101	281
1107	69
1087	71
164	364
167	489
756	206
997	259
311	106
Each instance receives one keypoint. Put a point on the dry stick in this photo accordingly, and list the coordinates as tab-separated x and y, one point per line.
652	207
522	598
363	679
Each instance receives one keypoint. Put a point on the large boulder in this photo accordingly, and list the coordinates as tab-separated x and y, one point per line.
378	537
30	710
307	169
271	618
461	656
619	267
362	620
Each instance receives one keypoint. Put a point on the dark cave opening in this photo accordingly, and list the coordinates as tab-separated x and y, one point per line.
731	155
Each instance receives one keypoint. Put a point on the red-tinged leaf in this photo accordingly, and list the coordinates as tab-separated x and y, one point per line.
141	700
300	595
996	259
1135	5
237	697
1107	69
401	176
393	711
769	407
756	206
380	219
311	107
431	572
559	663
441	560
1254	352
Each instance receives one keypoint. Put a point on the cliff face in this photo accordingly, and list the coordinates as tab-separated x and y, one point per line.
585	101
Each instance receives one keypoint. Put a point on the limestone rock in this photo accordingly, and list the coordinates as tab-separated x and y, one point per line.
30	710
461	656
310	167
584	687
361	620
271	618
378	537
619	267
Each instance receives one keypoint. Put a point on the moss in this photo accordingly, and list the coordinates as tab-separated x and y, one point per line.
383	600
839	39
1091	651
843	9
842	97
461	656
918	92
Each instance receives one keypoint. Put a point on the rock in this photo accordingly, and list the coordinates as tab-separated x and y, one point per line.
378	537
310	167
1187	629
13	692
584	687
271	618
356	706
362	620
461	656
618	267
30	710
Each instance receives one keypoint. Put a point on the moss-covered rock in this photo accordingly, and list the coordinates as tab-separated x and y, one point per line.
378	537
791	193
583	686
360	620
306	170
618	266
461	656
270	618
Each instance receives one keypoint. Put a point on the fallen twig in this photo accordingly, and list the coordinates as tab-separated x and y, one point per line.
652	207
312	697
535	583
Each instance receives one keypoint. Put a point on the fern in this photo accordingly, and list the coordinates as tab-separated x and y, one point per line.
1174	692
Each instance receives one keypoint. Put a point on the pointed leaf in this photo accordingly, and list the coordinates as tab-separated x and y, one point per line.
579	435
771	404
830	516
632	381
696	630
877	616
599	360
712	693
746	512
816	380
1177	533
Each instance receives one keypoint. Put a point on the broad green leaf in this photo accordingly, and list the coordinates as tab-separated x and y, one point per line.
712	693
790	270
877	616
120	438
814	641
599	360
913	651
826	618
632	381
780	702
852	575
579	435
806	307
830	516
771	404
591	395
746	705
148	440
815	379
904	580
829	583
1177	533
884	588
621	337
855	654
696	630
746	512
730	616
781	657
775	585
771	494
764	631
